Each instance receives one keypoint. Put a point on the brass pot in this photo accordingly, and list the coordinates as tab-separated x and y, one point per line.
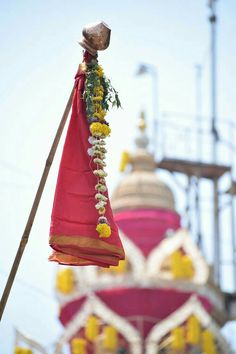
95	37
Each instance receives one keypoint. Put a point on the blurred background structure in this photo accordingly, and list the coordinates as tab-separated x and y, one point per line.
176	288
163	298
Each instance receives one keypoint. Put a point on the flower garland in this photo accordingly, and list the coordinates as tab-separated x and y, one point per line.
99	95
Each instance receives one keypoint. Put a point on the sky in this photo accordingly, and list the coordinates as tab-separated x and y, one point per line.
38	61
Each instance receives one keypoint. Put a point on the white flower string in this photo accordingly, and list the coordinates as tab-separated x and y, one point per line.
99	95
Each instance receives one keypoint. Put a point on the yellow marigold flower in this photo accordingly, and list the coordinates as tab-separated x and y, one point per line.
97	106
102	113
97	114
104	230
99	89
106	130
99	71
98	129
98	93
97	98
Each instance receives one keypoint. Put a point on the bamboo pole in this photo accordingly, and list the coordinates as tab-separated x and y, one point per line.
34	208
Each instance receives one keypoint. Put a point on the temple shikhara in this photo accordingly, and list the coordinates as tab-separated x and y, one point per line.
162	297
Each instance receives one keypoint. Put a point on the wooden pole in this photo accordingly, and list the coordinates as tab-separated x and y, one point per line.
34	208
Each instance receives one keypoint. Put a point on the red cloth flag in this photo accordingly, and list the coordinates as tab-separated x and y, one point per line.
73	234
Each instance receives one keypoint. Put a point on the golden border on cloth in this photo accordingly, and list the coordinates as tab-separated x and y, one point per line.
93	257
81	241
67	259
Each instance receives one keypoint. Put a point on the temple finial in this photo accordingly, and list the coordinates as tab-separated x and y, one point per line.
142	122
142	139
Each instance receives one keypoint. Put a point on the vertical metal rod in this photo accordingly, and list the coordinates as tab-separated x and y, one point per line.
198	82
198	214
233	236
188	204
151	69
155	110
232	196
213	20
163	135
217	255
214	131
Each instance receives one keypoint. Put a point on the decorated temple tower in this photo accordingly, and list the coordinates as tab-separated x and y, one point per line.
161	299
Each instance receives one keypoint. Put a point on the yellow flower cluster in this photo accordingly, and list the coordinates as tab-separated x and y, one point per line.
99	71
65	281
104	230
110	339
98	90
99	129
193	334
124	161
92	328
181	266
97	98
100	114
78	346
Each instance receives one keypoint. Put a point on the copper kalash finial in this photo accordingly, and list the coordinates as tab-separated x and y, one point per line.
95	37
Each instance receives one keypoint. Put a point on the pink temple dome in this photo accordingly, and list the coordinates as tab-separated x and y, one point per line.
143	204
147	227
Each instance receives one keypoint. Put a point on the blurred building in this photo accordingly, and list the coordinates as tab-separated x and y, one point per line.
162	298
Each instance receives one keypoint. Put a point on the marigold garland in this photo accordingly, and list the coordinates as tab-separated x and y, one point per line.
99	95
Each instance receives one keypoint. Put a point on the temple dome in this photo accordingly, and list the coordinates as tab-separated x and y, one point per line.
141	188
